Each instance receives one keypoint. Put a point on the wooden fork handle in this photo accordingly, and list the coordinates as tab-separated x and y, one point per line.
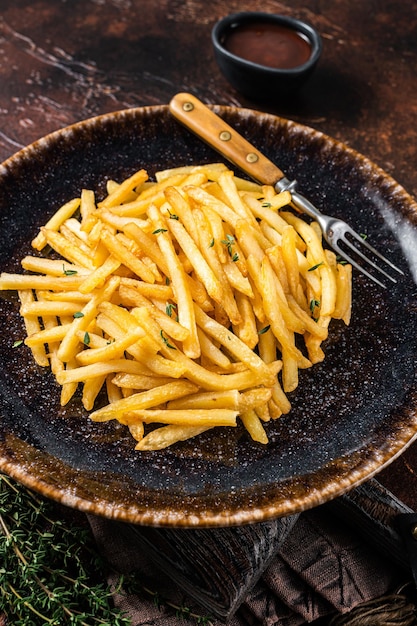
198	118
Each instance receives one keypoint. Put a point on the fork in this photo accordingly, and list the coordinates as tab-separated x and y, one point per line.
197	117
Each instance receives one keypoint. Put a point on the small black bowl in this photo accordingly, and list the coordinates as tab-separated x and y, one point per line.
260	81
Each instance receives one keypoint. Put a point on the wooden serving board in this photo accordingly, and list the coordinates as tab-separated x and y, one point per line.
217	567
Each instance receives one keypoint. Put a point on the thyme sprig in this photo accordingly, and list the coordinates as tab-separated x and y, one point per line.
229	242
51	573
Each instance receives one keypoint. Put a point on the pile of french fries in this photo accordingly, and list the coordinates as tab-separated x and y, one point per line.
183	299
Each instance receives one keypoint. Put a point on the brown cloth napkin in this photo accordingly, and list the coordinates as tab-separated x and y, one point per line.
322	568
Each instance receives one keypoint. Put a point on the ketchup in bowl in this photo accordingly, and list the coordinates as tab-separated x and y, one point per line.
269	44
265	56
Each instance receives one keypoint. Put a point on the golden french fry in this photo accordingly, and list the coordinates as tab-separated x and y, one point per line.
289	256
68	389
201	268
166	436
62	296
202	198
210	253
229	399
246	330
70	229
211	351
212	171
238	281
85	372
98	277
42	307
289	372
47	335
22	282
266	285
137	430
140	381
228	185
118	196
183	297
113	350
235	346
254	398
328	290
69	344
54	223
52	267
310	324
150	291
313	342
185	417
32	326
144	400
181	209
49	324
264	211
66	249
91	389
113	391
87	204
146	243
125	256
168	324
144	351
117	222
254	426
343	306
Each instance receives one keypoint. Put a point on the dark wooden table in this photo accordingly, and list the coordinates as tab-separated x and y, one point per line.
65	60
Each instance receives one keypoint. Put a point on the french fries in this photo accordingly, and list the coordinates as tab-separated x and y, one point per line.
180	302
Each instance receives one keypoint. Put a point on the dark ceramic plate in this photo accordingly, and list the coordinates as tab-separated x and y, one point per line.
351	414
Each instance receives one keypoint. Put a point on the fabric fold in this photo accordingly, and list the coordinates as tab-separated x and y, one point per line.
322	568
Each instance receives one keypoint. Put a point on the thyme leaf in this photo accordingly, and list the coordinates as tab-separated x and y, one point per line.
229	242
264	330
166	341
170	308
68	272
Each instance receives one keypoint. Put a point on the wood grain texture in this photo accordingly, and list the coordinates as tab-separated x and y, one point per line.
191	558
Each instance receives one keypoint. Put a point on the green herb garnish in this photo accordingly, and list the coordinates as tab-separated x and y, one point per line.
264	330
50	572
68	272
311	269
229	242
170	308
165	340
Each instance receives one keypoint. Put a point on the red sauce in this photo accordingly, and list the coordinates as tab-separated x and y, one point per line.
269	44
